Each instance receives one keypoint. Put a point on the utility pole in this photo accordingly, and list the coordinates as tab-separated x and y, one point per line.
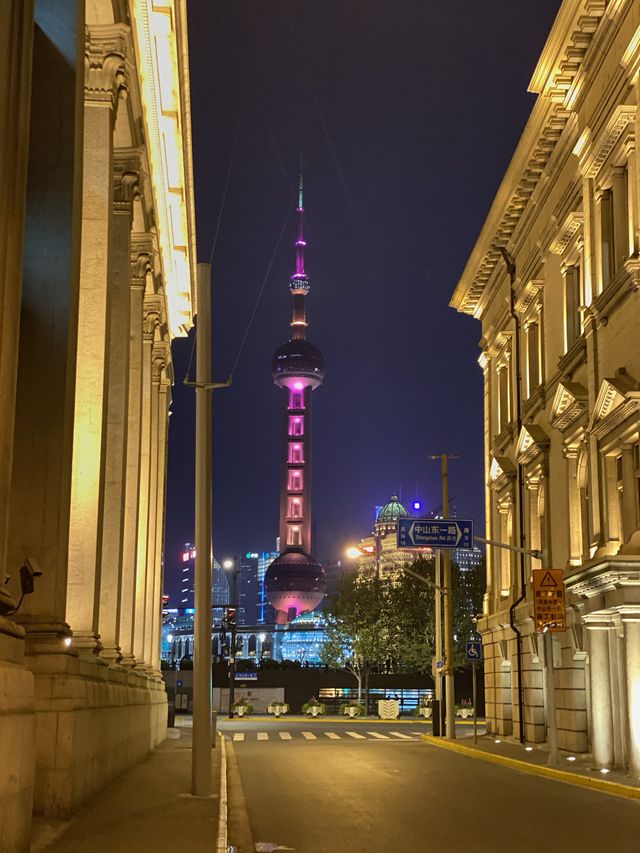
201	776
437	676
232	621
450	693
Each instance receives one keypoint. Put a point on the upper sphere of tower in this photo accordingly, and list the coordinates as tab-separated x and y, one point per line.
298	359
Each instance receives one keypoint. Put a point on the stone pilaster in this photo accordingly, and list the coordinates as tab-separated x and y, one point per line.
16	44
140	270
105	74
140	646
164	401
115	446
601	710
631	622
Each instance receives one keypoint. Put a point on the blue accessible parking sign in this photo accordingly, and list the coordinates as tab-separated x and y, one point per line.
474	650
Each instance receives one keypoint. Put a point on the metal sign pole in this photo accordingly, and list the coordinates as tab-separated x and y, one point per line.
475	705
438	605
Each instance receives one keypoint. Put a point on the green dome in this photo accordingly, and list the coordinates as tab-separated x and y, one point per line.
392	511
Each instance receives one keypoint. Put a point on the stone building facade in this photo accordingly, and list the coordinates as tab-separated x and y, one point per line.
97	263
554	279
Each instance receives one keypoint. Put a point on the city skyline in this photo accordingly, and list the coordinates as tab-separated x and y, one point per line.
382	275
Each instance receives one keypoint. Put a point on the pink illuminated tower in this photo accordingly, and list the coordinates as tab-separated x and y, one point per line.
294	581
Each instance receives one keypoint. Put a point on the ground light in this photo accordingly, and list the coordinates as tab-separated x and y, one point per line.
528	749
571	758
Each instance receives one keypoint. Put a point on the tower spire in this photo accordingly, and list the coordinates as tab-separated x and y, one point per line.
299	282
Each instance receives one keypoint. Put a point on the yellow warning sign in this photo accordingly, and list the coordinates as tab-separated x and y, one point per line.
548	600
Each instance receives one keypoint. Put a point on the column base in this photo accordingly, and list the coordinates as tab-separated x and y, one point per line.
47	635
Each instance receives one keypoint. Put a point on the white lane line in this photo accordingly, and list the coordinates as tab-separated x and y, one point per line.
377	734
285	735
403	736
238	736
309	736
263	736
417	733
332	735
356	735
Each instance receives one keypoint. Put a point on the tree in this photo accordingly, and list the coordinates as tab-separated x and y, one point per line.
411	618
355	627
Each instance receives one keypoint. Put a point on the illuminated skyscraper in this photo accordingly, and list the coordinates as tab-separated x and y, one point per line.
294	581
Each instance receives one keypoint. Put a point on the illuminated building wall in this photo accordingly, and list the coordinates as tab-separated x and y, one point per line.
567	460
98	266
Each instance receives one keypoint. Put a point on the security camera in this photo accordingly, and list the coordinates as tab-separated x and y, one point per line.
28	571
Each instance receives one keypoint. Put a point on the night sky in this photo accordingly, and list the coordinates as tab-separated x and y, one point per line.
407	112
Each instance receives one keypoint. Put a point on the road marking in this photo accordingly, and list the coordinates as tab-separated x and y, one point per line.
377	734
285	735
238	736
263	736
309	736
417	733
356	735
332	735
399	734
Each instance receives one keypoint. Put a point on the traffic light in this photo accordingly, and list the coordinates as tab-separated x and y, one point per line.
231	617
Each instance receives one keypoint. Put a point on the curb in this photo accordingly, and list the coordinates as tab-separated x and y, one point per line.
615	789
297	718
223	805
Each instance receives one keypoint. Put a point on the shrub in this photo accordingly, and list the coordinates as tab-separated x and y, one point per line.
322	708
360	709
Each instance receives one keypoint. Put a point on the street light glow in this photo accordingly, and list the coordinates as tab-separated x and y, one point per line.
353	553
227	564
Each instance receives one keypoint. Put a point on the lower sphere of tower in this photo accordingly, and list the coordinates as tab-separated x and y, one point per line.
294	583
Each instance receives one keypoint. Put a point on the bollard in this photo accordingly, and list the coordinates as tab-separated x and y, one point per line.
214	726
435	717
171	714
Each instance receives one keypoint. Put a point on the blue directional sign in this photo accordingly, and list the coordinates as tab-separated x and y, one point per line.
435	533
474	650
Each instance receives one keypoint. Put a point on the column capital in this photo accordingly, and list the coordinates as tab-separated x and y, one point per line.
140	267
126	179
105	63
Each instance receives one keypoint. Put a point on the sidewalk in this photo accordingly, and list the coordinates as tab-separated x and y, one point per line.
573	768
148	808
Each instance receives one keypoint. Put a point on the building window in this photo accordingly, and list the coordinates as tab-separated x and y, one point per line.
606	236
296	426
296	454
295	481
294	536
296	399
504	402
294	508
572	302
533	356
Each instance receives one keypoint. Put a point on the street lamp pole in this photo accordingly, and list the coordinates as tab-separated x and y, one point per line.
201	775
232	658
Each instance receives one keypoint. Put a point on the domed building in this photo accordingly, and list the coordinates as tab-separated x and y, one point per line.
294	582
387	520
379	552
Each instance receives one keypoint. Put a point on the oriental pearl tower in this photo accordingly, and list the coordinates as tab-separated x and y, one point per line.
294	581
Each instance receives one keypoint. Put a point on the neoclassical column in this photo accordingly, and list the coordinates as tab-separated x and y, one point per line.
104	81
140	270
16	45
488	600
600	680
151	320
631	621
126	166
152	591
164	401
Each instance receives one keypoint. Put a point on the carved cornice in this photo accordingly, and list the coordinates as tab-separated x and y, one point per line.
502	473
531	292
567	231
618	399
532	442
592	157
105	63
570	403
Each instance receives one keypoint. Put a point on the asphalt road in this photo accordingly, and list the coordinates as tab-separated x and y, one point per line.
351	795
